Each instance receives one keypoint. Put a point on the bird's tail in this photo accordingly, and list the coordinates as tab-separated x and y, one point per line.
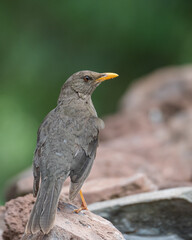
43	213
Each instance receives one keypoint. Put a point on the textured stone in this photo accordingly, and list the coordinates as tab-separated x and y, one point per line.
20	185
100	189
16	215
2	223
167	90
68	225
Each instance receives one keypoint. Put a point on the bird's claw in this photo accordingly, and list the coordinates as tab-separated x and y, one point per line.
80	209
83	204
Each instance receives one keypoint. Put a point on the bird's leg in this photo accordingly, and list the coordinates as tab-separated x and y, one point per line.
83	204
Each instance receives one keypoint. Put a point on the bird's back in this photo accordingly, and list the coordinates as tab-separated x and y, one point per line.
61	135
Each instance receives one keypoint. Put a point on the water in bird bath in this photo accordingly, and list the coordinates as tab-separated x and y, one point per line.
162	215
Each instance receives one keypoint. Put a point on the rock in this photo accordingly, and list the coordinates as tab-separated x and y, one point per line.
16	215
101	189
164	214
161	163
20	185
154	125
2	223
163	237
68	225
167	90
123	124
153	101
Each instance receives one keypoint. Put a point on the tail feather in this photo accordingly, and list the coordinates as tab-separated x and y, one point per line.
50	206
43	213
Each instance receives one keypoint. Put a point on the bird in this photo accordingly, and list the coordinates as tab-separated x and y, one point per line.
67	141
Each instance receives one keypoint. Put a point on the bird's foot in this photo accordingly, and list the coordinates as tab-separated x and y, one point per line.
83	207
80	209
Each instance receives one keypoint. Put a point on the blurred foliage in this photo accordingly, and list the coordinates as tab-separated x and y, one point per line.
43	42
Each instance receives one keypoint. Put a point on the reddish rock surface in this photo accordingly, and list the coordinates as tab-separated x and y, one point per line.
68	225
153	100
154	125
2	223
169	89
16	215
101	189
20	185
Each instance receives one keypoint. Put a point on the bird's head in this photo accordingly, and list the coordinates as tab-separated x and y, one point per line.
85	82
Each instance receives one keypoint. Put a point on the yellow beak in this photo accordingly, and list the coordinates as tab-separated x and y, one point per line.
107	76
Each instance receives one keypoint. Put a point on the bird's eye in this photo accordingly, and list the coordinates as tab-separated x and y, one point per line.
87	78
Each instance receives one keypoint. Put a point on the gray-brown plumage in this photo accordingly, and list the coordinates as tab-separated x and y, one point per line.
66	147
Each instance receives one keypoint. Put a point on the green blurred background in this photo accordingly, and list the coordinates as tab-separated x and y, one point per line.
44	42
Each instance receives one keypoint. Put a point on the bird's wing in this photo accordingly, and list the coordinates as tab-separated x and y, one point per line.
52	165
42	134
83	160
